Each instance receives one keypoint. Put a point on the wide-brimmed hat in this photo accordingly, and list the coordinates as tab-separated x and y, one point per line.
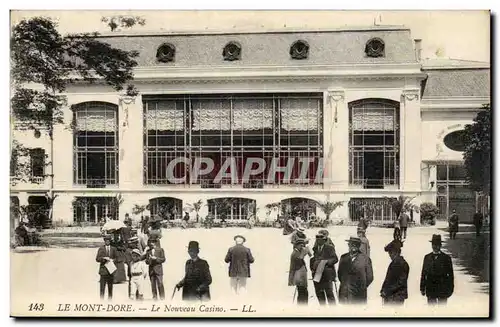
301	229
436	239
193	245
393	245
299	241
353	239
240	236
136	251
133	239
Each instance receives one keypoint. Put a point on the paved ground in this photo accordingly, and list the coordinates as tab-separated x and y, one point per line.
71	274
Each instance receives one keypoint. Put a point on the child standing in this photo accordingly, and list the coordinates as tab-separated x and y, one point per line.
138	273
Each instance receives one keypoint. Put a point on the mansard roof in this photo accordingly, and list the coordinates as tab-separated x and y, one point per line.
270	48
456	78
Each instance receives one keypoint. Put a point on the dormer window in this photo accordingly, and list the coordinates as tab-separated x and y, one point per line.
375	48
299	50
232	51
165	53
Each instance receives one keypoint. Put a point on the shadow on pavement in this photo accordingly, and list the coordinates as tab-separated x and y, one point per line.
472	253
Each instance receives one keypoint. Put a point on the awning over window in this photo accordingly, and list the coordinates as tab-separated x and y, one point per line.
96	120
373	119
299	114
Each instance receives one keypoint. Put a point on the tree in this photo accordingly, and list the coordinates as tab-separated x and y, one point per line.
21	164
197	207
477	154
114	22
139	209
43	64
328	207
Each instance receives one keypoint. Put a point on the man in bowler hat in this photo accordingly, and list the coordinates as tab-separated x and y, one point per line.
355	274
105	254
437	279
197	279
239	258
395	287
323	269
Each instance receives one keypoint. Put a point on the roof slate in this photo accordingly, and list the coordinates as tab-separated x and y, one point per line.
326	48
459	83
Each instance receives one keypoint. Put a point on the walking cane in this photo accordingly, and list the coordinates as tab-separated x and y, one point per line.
173	293
336	292
294	293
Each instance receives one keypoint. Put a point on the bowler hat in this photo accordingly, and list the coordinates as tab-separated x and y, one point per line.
324	232
136	251
321	236
353	239
240	236
393	245
301	229
193	245
436	239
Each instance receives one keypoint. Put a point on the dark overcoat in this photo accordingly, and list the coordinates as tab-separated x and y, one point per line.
197	280
453	223
156	265
437	279
101	253
326	253
355	276
239	258
395	286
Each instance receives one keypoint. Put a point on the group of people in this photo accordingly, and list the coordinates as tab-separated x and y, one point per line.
355	271
26	234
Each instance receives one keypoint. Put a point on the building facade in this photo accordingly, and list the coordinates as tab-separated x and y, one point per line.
354	115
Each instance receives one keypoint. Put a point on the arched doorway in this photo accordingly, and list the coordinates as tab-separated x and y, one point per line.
302	207
232	208
167	208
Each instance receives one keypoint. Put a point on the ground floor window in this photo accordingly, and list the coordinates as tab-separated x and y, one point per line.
376	209
166	208
94	209
301	207
231	208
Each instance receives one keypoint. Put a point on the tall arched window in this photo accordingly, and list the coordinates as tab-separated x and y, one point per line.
374	143
95	144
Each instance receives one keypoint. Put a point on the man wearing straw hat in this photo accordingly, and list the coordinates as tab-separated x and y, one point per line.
297	275
105	255
239	258
138	273
323	269
197	279
395	287
355	274
437	279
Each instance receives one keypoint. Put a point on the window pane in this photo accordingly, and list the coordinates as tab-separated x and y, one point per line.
441	172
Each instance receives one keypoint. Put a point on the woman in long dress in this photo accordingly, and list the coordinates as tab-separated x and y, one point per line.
117	242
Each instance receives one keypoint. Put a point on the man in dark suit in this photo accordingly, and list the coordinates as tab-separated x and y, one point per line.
395	287
197	279
403	223
105	254
478	222
155	258
323	269
355	274
453	225
437	279
239	258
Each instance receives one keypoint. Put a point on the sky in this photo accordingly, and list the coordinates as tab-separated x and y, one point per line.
445	34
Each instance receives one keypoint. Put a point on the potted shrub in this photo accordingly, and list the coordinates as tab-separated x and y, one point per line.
428	213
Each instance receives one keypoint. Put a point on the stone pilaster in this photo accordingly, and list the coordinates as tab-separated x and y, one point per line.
411	145
131	142
337	140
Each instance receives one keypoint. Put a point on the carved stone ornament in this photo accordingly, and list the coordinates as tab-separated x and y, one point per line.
165	53
411	95
232	51
335	96
299	50
375	48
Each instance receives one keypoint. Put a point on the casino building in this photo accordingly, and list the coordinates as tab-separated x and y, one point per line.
371	118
